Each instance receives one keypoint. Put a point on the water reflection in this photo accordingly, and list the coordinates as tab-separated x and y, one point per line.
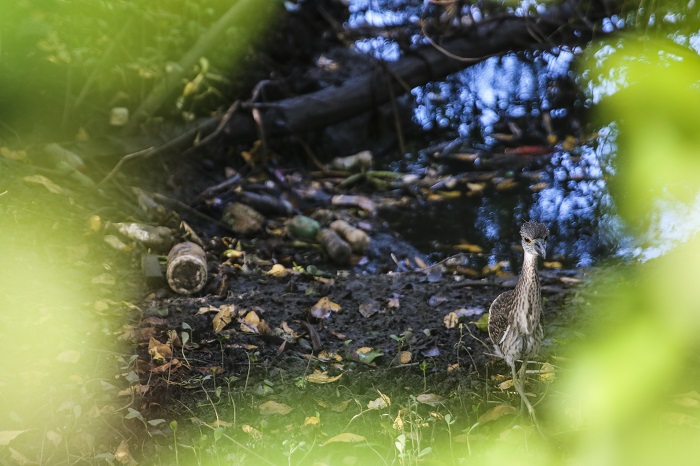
476	104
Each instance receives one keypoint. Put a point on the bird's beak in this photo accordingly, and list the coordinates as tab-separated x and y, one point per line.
540	246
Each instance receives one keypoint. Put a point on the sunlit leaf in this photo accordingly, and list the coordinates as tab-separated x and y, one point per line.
468	247
6	436
322	377
430	399
548	373
278	271
122	454
159	352
383	401
273	407
222	318
45	182
496	413
323	308
312	421
367	354
249	324
252	431
483	323
345	437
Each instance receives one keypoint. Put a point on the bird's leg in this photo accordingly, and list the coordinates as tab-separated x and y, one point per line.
518	384
521	378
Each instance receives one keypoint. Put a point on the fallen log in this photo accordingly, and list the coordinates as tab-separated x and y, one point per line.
561	25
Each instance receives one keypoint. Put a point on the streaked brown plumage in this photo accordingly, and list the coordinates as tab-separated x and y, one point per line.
515	325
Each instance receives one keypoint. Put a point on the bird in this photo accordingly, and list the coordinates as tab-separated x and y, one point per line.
515	316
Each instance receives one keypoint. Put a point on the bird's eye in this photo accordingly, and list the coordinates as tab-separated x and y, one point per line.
527	240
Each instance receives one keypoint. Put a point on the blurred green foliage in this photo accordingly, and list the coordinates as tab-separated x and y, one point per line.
67	63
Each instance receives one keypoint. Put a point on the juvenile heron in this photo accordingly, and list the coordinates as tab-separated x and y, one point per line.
515	325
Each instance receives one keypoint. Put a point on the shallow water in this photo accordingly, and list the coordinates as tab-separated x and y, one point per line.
481	100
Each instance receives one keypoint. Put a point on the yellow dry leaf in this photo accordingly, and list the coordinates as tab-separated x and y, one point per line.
45	182
398	422
322	377
159	352
453	367
326	356
313	421
468	247
207	310
430	399
405	357
552	265
273	407
547	372
252	431
537	187
323	308
250	322
506	385
122	454
506	185
345	437
475	188
380	403
222	318
278	271
451	320
496	412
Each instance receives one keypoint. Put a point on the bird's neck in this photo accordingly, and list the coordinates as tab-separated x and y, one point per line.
528	275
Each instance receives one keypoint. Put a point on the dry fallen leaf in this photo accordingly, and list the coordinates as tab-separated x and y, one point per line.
430	399
322	377
323	308
369	309
506	385
122	454
273	407
547	372
405	357
345	437
170	366
468	247
380	403
252	431
159	352
45	182
278	271
496	412
249	324
223	318
312	421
